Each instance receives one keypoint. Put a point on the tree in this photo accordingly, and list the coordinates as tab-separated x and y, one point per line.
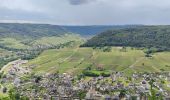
152	91
107	49
4	90
37	79
11	94
14	95
82	94
122	94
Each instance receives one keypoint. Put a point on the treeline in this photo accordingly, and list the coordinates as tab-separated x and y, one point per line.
104	49
95	74
155	38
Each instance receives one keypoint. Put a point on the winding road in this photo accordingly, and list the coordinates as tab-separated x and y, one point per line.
7	65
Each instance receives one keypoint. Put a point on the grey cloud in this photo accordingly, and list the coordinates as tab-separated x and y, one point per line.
8	15
87	12
80	2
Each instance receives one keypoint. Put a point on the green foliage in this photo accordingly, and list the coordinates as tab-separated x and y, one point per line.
91	73
107	49
5	98
14	95
104	74
152	95
94	73
82	94
122	93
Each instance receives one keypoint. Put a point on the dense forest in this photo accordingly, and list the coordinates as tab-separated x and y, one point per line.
144	36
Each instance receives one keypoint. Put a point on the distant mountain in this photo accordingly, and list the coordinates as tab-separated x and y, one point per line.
94	29
142	36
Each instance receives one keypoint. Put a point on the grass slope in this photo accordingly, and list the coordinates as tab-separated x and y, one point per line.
4	53
56	40
13	43
73	60
45	41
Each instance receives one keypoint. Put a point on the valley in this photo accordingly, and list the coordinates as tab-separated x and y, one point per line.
48	61
84	50
77	72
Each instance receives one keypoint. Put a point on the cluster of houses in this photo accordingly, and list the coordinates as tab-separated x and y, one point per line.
67	87
13	73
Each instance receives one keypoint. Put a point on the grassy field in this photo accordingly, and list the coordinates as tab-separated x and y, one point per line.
13	43
46	41
56	40
4	53
73	60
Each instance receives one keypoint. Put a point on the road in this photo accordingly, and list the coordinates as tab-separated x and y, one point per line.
7	65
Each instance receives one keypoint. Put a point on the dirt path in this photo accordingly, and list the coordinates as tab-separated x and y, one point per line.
65	59
137	61
155	68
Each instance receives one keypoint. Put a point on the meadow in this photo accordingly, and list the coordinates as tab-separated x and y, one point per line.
13	43
45	41
55	40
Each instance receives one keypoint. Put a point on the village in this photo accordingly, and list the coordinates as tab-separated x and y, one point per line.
57	86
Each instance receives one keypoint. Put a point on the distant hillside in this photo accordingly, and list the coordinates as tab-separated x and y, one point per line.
29	30
143	36
24	36
94	29
42	30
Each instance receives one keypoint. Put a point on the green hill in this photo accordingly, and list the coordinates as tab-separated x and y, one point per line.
27	36
53	48
27	41
25	30
24	36
74	60
29	30
143	36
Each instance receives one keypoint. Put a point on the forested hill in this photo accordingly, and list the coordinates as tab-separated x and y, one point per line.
143	36
30	30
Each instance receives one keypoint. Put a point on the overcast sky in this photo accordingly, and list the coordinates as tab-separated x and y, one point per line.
86	12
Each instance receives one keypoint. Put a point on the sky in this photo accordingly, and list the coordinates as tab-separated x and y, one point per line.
86	12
